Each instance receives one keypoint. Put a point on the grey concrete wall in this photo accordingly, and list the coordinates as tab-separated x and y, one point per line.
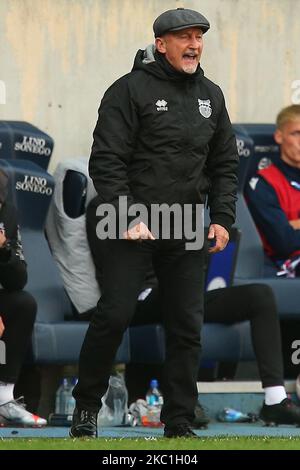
57	57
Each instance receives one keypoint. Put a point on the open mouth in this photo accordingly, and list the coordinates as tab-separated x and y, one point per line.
190	58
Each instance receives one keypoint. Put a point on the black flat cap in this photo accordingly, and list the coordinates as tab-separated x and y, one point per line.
181	18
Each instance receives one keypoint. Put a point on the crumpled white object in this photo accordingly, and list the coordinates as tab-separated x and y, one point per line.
114	408
288	268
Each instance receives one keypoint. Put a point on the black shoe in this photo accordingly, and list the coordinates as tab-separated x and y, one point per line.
201	419
84	423
179	430
285	412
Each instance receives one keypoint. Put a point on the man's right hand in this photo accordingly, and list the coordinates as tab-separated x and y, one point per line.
138	232
2	327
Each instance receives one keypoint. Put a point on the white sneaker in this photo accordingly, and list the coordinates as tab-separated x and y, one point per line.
13	413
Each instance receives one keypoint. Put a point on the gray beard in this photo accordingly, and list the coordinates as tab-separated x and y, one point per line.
190	69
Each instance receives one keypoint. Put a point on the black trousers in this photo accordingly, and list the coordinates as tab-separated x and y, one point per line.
124	266
254	302
18	311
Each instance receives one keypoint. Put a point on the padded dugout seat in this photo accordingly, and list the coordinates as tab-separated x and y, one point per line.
259	140
219	343
21	140
54	339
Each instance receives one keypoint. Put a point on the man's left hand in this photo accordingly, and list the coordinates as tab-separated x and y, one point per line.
220	235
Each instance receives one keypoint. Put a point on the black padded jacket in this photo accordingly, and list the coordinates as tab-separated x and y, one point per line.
164	136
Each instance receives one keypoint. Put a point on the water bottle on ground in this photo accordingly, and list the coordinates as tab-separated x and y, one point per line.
229	415
70	402
61	398
154	401
64	400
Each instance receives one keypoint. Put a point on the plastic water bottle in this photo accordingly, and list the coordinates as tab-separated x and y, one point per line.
154	401
229	415
70	402
64	400
57	400
61	397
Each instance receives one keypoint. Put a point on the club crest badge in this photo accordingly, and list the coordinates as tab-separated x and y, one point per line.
205	108
161	105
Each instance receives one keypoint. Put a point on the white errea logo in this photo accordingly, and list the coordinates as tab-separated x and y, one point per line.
161	105
253	182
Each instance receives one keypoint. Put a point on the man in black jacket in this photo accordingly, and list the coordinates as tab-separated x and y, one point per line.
17	315
163	137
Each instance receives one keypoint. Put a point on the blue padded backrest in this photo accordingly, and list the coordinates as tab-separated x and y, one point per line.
30	188
44	280
32	202
250	261
264	146
245	148
21	140
260	144
219	342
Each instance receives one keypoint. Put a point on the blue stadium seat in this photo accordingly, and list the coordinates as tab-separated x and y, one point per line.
261	144
21	140
245	146
55	340
219	343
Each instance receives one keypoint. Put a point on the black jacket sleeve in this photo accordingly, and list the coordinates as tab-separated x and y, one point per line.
222	166
114	140
13	272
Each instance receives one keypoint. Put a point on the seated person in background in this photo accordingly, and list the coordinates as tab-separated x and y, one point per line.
273	195
254	302
17	315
